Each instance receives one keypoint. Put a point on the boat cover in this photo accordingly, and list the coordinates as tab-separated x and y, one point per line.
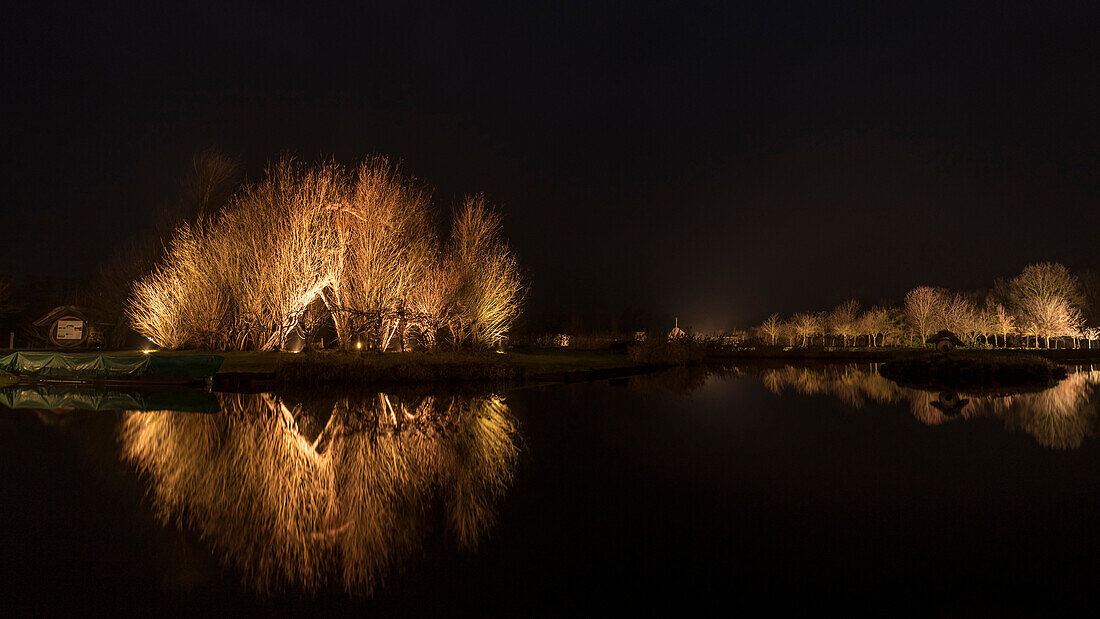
92	365
64	397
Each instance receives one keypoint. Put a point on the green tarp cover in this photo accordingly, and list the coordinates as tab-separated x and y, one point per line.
69	365
57	397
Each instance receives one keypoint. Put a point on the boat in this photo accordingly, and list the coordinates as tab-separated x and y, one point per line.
97	368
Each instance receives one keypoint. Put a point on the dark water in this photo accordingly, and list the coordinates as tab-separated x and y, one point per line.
751	490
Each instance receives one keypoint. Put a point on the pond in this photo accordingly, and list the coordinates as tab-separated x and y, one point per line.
777	489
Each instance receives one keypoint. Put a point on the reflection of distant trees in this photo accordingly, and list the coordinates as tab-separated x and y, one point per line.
289	499
680	380
852	384
1060	417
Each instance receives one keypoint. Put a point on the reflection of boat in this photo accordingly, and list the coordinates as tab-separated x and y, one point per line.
106	369
77	397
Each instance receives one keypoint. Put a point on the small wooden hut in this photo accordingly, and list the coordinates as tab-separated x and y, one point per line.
945	341
71	326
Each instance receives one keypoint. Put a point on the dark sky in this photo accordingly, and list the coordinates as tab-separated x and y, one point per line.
715	160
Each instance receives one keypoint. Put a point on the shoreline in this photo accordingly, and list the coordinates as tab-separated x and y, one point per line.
882	355
253	371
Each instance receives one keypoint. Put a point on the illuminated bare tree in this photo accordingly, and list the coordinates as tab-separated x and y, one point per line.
386	249
921	306
843	320
877	323
1049	316
1090	334
282	244
805	326
242	280
1046	280
182	301
770	328
428	307
955	313
361	244
1048	299
787	331
1002	322
488	286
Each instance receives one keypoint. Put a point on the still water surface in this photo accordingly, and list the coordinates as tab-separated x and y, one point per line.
758	489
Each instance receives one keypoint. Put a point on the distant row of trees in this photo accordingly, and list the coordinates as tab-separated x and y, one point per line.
310	245
1043	303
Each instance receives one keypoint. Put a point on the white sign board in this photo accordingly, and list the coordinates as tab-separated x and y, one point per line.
70	329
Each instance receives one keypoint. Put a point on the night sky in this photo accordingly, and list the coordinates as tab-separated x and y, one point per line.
714	160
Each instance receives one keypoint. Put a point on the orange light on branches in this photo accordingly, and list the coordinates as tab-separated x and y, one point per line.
361	244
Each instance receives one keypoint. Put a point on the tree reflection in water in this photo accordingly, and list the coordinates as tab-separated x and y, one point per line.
1061	416
289	500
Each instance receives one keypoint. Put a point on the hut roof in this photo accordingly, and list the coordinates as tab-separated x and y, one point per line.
944	334
87	314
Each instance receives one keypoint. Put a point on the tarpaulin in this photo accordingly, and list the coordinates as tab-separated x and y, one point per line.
63	397
91	365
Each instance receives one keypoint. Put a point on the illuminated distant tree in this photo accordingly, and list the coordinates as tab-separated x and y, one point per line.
787	331
1048	299
1050	316
805	326
842	321
770	328
1002	321
954	313
1090	334
877	323
893	324
1046	280
822	326
921	307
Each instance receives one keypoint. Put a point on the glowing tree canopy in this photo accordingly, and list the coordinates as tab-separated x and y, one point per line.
359	244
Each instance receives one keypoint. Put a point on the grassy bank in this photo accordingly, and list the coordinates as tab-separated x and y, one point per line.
337	367
344	368
254	369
